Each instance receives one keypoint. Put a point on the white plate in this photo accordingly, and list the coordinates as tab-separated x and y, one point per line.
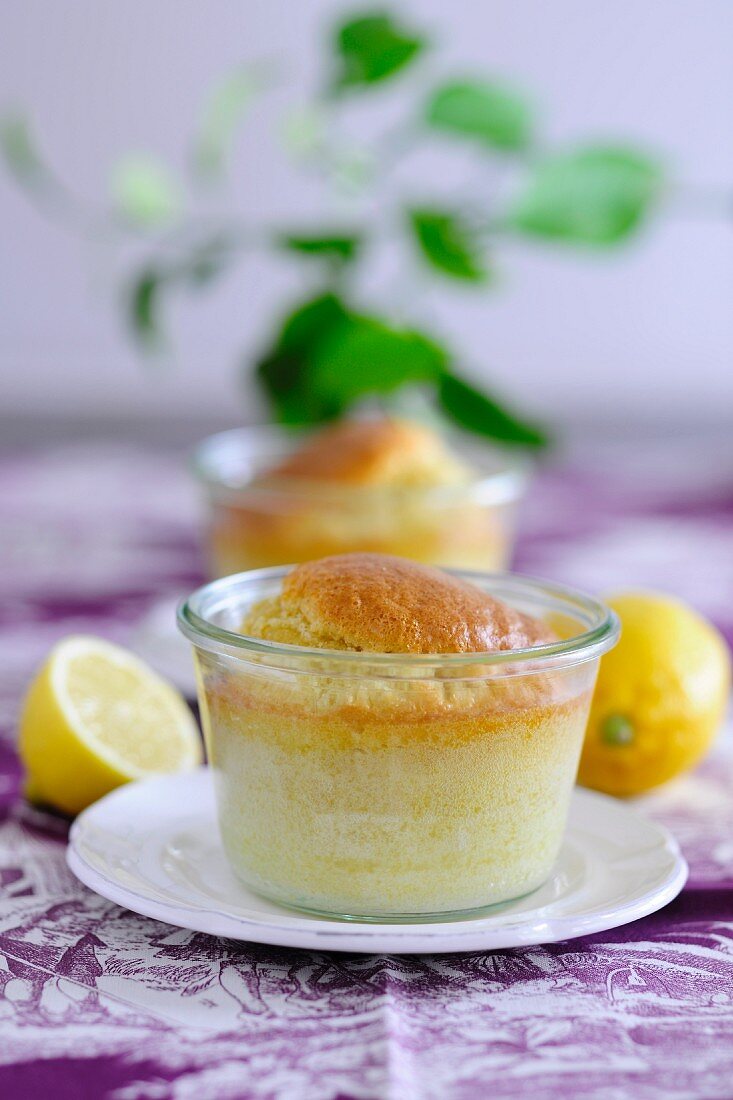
153	847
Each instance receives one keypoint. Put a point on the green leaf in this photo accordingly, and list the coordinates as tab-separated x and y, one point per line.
144	192
446	242
342	247
284	371
19	151
367	356
481	111
304	130
223	114
481	414
593	196
206	261
373	48
326	358
310	323
143	304
200	266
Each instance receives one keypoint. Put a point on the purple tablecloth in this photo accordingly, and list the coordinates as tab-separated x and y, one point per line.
97	1001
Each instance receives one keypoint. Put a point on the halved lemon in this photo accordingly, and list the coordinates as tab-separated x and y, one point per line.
95	717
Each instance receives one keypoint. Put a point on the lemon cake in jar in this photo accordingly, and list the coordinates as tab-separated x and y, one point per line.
383	484
389	740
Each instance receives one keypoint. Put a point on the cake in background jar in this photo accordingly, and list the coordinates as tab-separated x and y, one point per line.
382	485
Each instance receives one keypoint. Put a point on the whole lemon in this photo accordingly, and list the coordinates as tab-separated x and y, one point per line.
660	697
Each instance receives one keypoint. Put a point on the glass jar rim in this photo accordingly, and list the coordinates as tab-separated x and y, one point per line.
215	460
603	628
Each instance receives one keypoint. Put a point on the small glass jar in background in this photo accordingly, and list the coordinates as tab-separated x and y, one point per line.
394	786
254	521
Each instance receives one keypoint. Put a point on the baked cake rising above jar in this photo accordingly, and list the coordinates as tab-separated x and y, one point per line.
389	740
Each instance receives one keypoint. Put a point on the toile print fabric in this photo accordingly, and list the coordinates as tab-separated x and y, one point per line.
96	1001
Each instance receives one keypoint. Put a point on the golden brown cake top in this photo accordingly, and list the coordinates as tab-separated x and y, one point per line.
381	604
385	451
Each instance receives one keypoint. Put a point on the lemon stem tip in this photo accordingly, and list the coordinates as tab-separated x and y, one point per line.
616	729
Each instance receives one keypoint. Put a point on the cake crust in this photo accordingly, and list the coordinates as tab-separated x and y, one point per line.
383	451
382	604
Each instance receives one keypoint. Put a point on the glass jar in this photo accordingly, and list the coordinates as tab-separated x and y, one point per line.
389	786
253	521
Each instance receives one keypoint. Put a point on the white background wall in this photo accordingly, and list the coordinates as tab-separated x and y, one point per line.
643	335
